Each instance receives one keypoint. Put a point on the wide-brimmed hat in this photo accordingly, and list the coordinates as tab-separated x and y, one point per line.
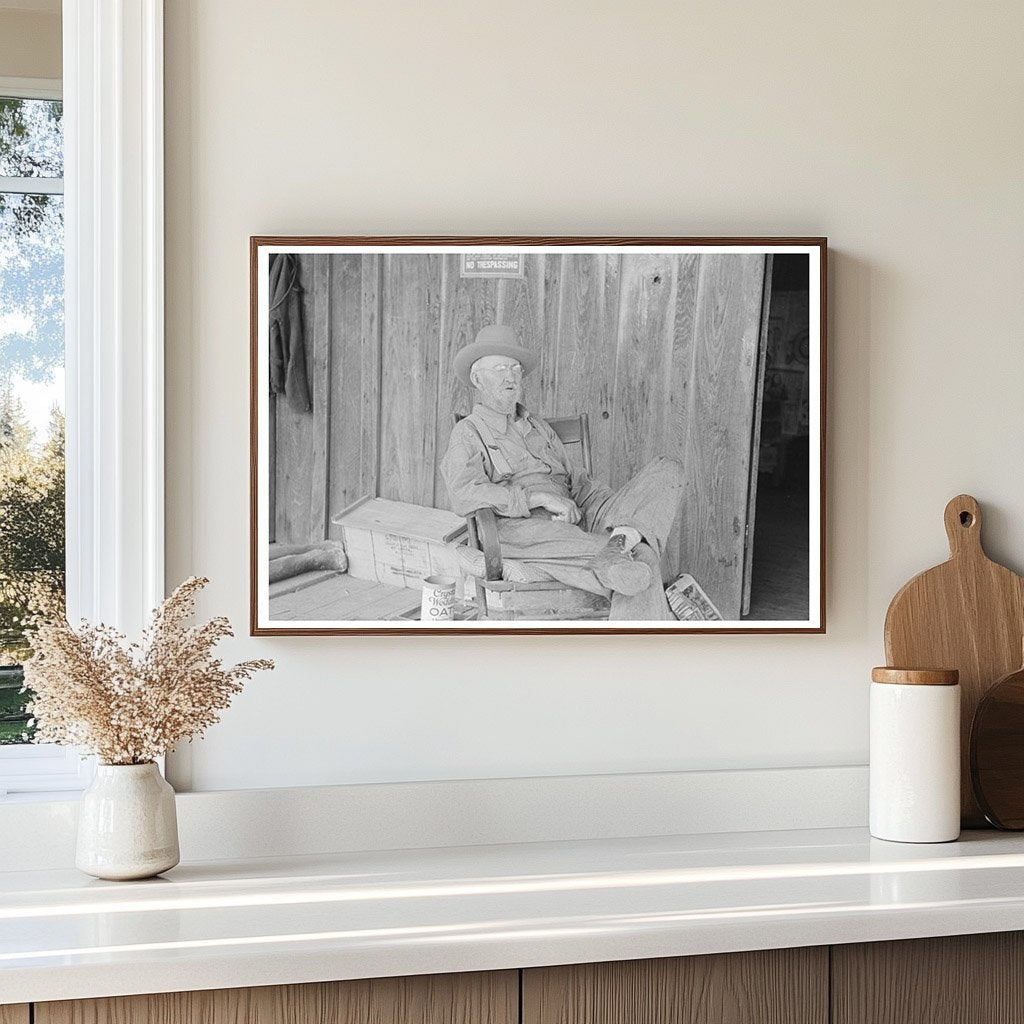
493	340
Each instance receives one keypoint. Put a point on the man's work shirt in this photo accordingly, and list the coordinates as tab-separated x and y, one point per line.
496	461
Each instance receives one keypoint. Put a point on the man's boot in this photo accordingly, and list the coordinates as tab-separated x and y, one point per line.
618	570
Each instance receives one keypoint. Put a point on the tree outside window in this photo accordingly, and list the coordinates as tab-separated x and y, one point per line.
32	545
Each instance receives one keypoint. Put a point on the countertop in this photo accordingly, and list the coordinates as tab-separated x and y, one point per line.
222	924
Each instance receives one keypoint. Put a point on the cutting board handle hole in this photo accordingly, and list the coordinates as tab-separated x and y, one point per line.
966	519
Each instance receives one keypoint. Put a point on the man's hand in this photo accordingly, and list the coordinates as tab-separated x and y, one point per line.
564	509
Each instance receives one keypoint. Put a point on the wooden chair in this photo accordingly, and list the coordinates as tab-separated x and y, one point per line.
498	598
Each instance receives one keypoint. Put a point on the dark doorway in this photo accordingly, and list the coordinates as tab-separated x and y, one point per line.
780	572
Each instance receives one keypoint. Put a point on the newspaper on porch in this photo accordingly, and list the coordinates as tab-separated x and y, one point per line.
688	601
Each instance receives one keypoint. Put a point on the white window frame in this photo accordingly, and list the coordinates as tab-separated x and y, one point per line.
114	348
31	89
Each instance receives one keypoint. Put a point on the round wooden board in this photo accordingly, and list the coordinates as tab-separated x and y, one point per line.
997	752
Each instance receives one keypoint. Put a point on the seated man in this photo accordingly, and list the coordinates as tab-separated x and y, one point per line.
554	522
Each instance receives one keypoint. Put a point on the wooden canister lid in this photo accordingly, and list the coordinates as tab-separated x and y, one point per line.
916	676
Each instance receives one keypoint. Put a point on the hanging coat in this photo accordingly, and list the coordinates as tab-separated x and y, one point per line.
287	342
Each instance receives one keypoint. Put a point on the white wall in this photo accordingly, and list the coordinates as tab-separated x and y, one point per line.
895	129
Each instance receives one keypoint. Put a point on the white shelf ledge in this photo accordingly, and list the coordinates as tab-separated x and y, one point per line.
354	915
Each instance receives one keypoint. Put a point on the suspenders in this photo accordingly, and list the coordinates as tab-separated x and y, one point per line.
500	465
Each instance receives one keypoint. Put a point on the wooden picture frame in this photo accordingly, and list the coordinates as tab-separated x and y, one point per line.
650	355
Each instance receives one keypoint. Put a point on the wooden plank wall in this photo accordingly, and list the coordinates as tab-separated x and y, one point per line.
301	459
661	350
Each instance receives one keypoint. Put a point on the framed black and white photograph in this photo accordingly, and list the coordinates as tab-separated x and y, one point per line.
529	435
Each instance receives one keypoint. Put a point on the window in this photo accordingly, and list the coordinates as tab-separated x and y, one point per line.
113	330
31	382
32	534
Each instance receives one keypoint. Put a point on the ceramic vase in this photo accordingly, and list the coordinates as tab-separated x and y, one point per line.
127	825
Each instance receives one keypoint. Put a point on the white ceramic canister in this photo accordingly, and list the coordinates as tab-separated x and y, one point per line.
915	755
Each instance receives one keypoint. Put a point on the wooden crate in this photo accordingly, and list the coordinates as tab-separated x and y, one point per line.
399	543
554	602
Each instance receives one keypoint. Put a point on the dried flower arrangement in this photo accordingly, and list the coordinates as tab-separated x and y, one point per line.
130	703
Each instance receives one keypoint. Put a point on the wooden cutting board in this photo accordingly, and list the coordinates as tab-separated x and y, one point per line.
967	614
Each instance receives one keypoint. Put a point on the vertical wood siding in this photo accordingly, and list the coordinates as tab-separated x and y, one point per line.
411	341
353	442
584	348
300	492
719	425
320	394
468	304
642	364
660	350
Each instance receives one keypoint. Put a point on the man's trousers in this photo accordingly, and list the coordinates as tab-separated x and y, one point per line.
546	549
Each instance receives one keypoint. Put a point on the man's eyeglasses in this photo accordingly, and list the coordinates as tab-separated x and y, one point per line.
514	368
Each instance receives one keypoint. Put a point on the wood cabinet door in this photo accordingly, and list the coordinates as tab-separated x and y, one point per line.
14	1014
959	979
778	986
480	998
